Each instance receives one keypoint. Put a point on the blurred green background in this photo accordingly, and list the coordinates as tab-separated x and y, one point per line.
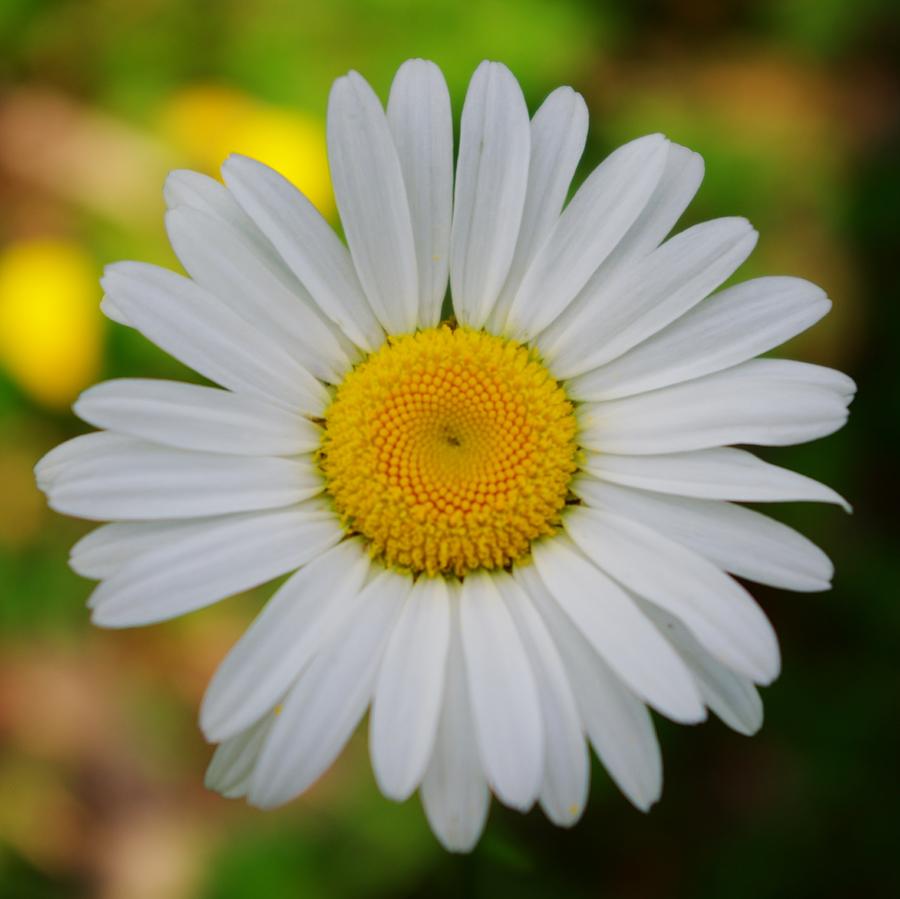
793	104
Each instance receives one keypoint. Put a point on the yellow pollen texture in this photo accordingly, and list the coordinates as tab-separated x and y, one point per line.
449	450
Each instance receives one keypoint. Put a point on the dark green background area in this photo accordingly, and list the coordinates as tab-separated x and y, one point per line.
794	106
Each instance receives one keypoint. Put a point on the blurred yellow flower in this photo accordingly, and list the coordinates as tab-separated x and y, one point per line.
50	321
207	122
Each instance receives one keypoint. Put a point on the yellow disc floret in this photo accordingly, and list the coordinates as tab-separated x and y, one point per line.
449	450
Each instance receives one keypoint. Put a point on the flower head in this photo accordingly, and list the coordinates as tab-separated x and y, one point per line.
509	520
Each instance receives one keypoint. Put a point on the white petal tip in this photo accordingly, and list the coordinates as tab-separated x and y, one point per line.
518	803
391	784
213	730
745	729
645	803
106	618
238	162
458	846
768	674
264	803
690	716
564	817
173	185
396	792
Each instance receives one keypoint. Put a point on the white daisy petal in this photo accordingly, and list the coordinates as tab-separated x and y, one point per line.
617	723
596	219
716	609
184	188
230	554
79	450
193	326
307	244
109	308
371	197
676	187
218	257
750	403
505	703
788	370
407	700
280	642
233	761
736	539
454	792
102	552
206	195
491	180
730	696
729	328
618	630
566	763
666	284
187	416
421	124
191	190
720	473
324	706
145	481
558	133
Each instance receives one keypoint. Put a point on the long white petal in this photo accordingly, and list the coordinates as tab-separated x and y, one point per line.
558	133
199	330
102	552
598	217
146	481
324	706
732	697
307	244
716	609
233	761
566	762
220	258
618	630
421	123
229	555
663	286
725	330
78	450
113	312
491	180
736	539
187	189
677	185
409	689
455	793
505	703
195	191
371	197
720	473
295	623
754	402
618	724
191	417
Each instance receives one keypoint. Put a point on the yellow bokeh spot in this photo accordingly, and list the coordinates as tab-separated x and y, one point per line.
208	122
50	322
449	450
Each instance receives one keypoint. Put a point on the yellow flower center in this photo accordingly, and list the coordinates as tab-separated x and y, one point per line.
449	450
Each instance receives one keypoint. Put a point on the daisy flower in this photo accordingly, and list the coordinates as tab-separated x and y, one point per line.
508	513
